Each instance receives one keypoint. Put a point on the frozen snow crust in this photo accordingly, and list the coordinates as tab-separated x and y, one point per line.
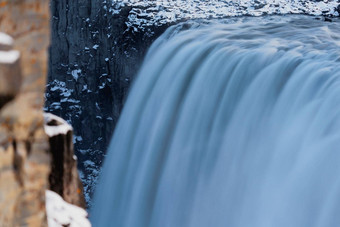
61	213
146	13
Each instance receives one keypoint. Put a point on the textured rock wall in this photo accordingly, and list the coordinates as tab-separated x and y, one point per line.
93	59
24	158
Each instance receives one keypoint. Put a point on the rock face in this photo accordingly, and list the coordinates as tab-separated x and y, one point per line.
98	46
25	148
92	64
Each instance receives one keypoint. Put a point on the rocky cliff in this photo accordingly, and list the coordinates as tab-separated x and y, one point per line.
92	64
26	151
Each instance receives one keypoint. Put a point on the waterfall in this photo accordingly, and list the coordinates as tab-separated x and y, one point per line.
231	123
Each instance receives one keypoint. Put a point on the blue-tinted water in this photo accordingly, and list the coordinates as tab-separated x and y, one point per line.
234	124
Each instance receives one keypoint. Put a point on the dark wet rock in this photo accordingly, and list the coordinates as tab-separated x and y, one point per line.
93	58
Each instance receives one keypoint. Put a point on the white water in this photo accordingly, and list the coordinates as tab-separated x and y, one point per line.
233	124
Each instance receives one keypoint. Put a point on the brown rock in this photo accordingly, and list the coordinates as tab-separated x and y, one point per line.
27	21
24	157
10	73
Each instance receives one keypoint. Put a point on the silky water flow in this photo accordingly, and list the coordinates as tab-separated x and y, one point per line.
230	123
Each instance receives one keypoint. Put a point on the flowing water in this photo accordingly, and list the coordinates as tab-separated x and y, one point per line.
235	123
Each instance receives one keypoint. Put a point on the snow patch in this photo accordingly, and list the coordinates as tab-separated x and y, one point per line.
61	213
75	73
9	57
55	125
6	39
77	139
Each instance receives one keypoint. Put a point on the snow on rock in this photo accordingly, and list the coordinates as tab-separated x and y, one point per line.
9	57
144	13
61	213
75	73
55	125
60	86
6	41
